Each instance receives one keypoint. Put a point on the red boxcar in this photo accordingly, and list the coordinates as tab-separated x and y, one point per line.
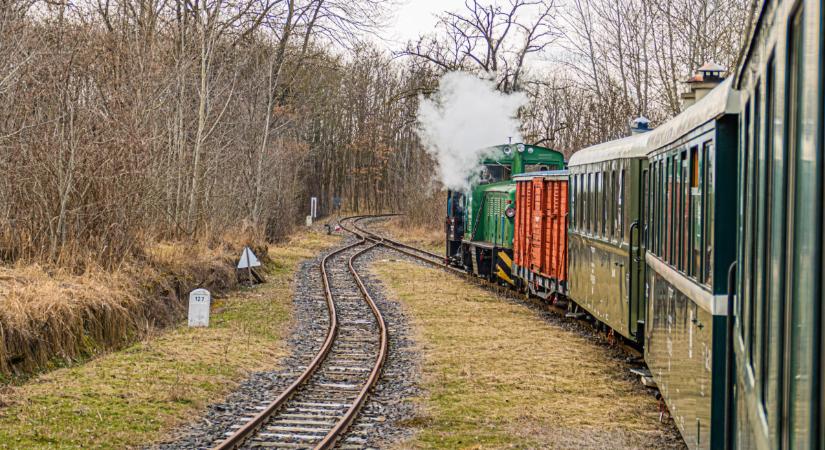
540	237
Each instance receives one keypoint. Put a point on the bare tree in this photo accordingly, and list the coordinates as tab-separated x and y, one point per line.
490	38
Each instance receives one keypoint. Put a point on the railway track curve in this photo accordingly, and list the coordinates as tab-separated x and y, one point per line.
323	401
401	247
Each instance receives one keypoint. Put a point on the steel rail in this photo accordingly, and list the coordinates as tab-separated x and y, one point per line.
342	425
252	426
400	246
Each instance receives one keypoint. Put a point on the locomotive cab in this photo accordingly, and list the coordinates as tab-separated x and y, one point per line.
454	225
492	172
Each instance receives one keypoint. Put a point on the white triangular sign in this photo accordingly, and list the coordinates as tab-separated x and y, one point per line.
248	259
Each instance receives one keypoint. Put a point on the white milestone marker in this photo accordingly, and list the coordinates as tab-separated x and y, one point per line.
199	302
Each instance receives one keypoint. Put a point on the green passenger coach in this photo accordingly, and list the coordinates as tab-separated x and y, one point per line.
605	263
690	244
777	339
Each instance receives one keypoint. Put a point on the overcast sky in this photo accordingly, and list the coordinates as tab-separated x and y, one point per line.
414	17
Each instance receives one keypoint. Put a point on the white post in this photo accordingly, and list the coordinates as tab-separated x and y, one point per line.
200	300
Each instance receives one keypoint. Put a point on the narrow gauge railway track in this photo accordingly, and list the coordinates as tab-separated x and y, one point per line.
318	407
401	247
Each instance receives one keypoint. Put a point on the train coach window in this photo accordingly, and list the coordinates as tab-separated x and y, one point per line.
597	204
664	235
572	187
611	218
580	197
571	221
648	198
680	210
648	205
594	230
582	204
603	202
709	190
685	211
654	221
752	238
672	190
677	222
745	179
695	213
805	290
574	213
674	212
663	174
614	190
589	218
621	205
651	209
759	235
774	237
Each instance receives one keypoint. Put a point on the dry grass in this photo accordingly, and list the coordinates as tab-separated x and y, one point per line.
129	398
50	316
428	237
499	376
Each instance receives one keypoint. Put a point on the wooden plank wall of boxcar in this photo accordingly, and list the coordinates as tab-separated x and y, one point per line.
541	227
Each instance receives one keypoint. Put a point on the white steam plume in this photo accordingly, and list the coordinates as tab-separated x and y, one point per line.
462	121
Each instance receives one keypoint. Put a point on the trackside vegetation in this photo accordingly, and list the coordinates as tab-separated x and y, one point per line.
498	375
131	397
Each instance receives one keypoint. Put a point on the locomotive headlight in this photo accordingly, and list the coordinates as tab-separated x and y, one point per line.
507	150
510	212
520	148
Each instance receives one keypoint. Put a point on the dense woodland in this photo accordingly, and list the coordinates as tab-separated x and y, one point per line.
123	121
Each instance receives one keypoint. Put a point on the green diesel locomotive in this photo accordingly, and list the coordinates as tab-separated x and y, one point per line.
480	222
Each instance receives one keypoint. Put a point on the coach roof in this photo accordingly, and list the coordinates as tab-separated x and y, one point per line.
723	99
630	147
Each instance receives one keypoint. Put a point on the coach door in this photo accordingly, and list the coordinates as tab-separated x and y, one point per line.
637	187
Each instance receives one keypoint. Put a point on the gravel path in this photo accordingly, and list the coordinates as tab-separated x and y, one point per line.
378	421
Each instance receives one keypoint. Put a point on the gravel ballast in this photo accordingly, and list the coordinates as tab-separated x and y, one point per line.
379	418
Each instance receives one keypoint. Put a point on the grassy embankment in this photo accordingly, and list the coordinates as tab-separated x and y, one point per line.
429	238
131	396
497	375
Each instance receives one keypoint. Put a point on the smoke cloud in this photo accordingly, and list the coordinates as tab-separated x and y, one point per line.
460	123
